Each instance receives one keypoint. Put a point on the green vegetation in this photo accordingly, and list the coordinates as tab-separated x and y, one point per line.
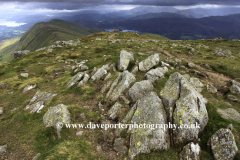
24	132
7	48
154	36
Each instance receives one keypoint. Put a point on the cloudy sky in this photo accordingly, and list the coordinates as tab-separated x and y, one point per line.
13	8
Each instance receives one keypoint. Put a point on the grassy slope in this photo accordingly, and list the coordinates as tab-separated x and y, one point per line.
45	33
154	36
25	134
7	48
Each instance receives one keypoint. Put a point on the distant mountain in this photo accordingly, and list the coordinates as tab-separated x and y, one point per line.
181	28
45	33
158	15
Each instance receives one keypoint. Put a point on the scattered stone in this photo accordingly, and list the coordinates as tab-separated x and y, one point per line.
124	59
49	50
178	60
3	149
83	67
25	75
29	87
61	61
156	74
165	64
229	113
73	68
108	77
235	88
80	133
232	98
112	113
100	73
207	66
211	88
94	71
39	100
139	89
59	70
223	145
230	127
223	53
119	146
18	54
56	117
123	83
149	110
190	151
1	110
84	81
75	79
36	157
191	65
147	64
99	148
229	104
82	115
141	54
106	86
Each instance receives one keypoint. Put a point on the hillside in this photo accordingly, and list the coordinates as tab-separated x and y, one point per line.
7	48
45	33
187	82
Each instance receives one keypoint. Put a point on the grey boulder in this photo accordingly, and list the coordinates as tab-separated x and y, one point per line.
56	117
124	59
148	63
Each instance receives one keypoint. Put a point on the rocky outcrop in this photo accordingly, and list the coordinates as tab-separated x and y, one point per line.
100	73
184	105
139	89
112	113
84	81
39	100
235	88
149	110
156	74
123	82
56	117
18	54
147	64
223	145
124	59
223	53
190	151
75	79
229	113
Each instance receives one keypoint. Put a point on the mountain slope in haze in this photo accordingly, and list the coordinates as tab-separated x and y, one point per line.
7	48
181	28
45	33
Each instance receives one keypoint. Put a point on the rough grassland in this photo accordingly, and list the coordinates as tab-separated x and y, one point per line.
25	134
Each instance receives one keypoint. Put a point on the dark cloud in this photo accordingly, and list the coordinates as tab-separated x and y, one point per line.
136	2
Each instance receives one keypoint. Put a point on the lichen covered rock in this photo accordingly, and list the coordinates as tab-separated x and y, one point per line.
156	74
149	110
139	89
124	82
112	113
190	151
100	73
235	88
196	84
119	146
124	59
56	117
75	79
147	64
223	145
190	110
39	100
